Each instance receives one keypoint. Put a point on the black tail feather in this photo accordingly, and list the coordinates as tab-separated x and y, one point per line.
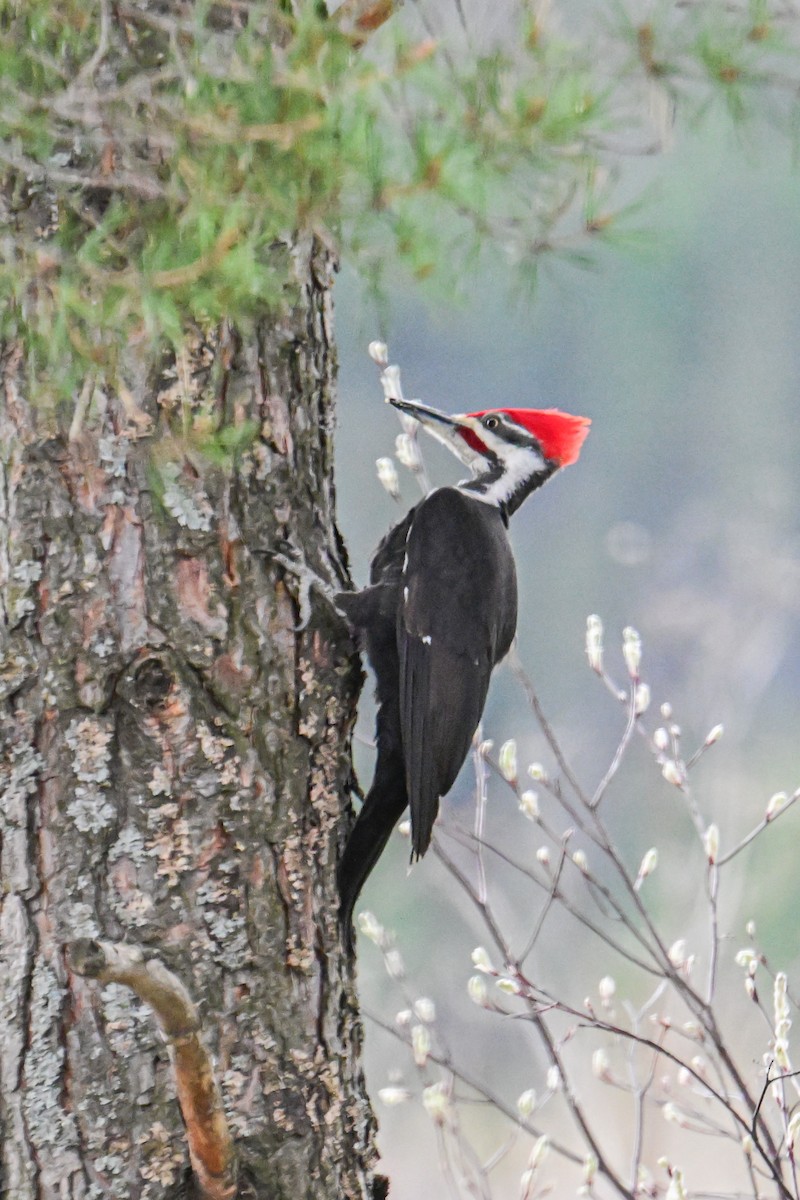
382	809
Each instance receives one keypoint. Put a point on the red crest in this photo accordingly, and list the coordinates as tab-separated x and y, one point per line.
560	434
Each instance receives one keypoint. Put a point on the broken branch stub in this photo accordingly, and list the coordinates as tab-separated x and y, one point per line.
211	1150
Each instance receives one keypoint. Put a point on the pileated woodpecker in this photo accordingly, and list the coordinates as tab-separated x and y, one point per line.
439	614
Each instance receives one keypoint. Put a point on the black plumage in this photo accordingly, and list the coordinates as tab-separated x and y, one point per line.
434	630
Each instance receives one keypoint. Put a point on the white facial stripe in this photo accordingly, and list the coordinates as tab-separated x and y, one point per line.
520	463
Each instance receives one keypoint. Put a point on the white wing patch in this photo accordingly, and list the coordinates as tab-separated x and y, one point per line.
427	639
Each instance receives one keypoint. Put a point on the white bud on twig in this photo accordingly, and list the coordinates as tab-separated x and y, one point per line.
661	738
543	856
677	1188
641	699
477	991
529	805
507	760
539	1150
387	475
379	353
711	843
714	735
407	451
600	1064
403	1017
793	1128
404	829
420	1044
673	772
594	642
371	927
526	1103
395	967
508	985
646	867
436	1102
666	710
746	957
632	651
781	998
775	805
537	772
783	1022
481	960
581	862
677	953
390	381
672	1113
425	1009
607	989
391	1096
553	1079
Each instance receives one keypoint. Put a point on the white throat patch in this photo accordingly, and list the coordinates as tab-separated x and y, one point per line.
520	463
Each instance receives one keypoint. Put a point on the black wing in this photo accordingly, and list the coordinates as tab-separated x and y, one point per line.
373	611
456	621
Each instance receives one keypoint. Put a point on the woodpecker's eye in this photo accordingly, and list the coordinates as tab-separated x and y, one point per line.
490	422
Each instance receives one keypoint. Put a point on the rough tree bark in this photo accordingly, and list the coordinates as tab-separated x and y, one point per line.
175	763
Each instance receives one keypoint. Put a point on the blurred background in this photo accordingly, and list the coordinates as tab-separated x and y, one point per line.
681	518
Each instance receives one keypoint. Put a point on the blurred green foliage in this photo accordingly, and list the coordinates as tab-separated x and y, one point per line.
159	164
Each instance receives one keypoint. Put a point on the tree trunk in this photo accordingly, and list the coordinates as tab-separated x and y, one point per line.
175	767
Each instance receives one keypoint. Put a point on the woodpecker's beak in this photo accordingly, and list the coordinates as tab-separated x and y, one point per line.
442	426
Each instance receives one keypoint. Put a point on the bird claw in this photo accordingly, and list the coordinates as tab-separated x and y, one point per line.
307	578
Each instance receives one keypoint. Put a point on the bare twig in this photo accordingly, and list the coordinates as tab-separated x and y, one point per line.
619	753
641	1089
468	839
481	1088
576	1108
482	905
713	954
753	834
767	1153
479	763
548	904
524	679
211	1148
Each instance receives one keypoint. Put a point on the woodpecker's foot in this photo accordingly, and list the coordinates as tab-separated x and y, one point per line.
307	578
